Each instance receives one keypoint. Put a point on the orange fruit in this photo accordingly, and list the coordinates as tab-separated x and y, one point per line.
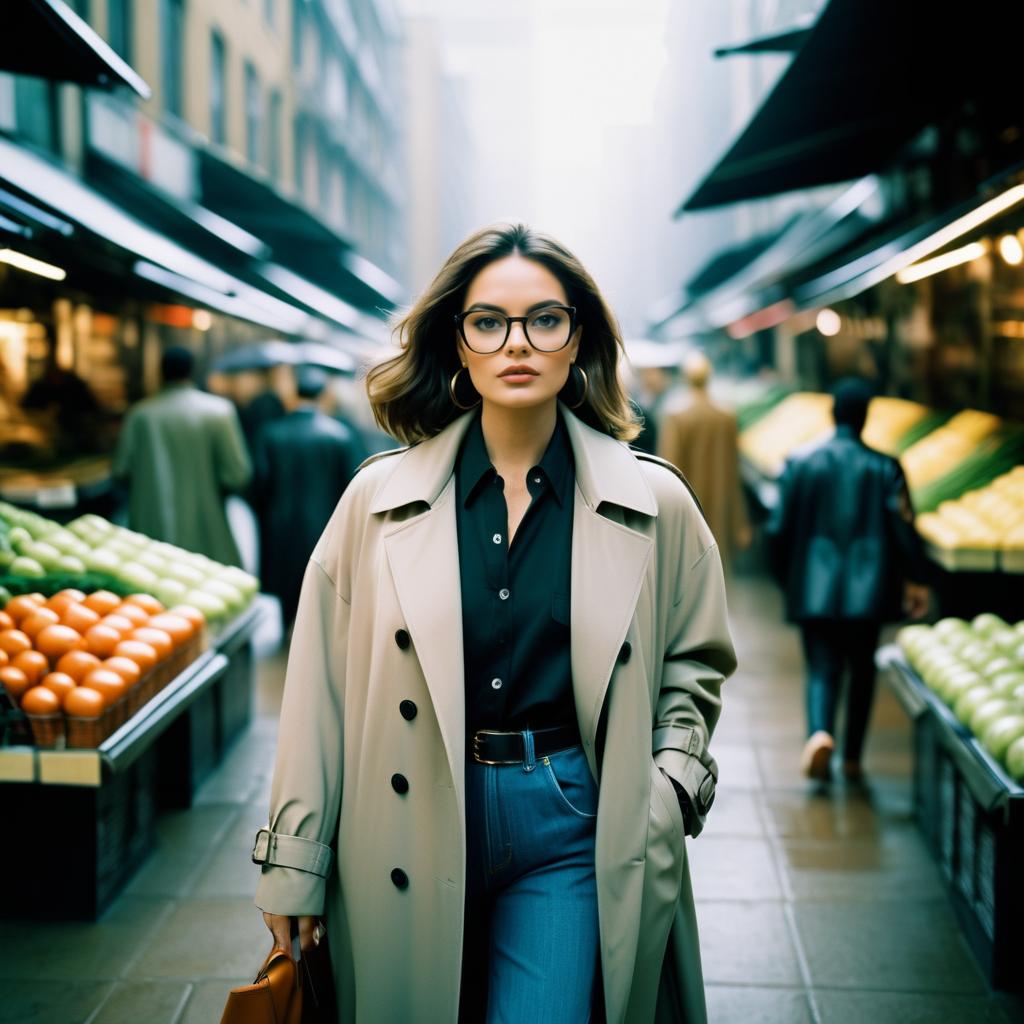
32	624
127	669
40	701
60	682
79	618
101	640
4	658
19	607
133	612
177	626
108	684
103	602
82	702
77	664
6	622
160	641
56	641
190	612
33	664
141	653
63	600
14	681
147	602
124	626
13	641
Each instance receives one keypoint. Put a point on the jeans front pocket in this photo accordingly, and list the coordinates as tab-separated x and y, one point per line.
569	777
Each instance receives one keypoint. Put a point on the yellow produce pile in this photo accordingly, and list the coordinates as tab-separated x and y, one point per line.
806	416
889	419
990	518
935	455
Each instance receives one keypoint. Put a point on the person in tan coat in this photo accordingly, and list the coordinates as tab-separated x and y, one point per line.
702	440
503	679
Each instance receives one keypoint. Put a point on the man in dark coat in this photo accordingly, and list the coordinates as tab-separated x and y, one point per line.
844	546
302	462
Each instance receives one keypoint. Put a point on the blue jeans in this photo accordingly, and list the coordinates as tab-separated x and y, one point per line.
531	944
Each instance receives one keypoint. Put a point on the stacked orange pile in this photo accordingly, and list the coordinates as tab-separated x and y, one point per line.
79	665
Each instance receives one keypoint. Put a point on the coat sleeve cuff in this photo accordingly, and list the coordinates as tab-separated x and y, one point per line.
689	767
276	849
293	881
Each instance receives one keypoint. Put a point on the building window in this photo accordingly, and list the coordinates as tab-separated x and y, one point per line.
298	28
253	116
172	18
274	135
119	15
218	89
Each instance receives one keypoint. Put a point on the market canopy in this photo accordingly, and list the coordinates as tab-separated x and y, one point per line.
46	39
869	77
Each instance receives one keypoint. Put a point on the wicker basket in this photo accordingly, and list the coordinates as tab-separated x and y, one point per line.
47	730
87	732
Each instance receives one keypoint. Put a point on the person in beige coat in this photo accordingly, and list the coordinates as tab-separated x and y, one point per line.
393	819
702	440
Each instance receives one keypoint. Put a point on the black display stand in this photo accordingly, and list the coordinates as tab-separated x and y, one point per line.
972	816
86	818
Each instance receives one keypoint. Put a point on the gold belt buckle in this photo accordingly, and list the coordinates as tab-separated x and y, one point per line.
476	745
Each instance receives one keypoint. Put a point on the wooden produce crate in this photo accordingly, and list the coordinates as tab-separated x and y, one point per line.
971	814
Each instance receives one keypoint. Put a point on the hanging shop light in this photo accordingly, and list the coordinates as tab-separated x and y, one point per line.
1011	250
30	264
201	320
954	258
828	322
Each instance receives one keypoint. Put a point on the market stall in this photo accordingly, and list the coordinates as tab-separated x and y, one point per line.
126	672
962	685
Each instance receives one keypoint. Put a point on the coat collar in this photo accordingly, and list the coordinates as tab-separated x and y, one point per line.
606	470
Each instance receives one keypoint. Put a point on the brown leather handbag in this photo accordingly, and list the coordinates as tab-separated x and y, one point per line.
275	997
287	991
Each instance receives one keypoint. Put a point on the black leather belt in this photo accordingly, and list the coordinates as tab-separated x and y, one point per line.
490	747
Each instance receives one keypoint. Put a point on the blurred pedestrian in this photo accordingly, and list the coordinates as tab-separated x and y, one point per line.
181	453
266	405
302	463
702	440
503	678
845	548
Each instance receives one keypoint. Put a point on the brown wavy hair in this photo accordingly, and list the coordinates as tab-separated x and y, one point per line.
409	392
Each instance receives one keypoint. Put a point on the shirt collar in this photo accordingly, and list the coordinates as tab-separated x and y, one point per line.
475	470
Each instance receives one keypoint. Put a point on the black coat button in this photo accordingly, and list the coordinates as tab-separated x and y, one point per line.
402	639
400	878
399	783
625	652
408	710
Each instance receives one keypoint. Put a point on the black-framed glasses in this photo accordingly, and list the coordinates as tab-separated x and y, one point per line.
547	330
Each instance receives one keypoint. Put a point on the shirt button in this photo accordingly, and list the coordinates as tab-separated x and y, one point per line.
496	538
536	479
503	594
495	684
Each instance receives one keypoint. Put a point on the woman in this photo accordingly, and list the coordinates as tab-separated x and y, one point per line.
503	678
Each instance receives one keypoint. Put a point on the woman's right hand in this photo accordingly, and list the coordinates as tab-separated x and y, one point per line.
281	928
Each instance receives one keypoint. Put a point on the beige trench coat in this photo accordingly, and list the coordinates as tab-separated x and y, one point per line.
374	687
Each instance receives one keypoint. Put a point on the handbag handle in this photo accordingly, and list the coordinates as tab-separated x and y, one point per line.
272	957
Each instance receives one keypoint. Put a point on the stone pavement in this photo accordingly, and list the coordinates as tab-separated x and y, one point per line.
814	906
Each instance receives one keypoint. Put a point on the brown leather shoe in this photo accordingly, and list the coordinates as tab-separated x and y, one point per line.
816	761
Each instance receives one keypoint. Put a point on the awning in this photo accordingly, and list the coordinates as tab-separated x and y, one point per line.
869	77
300	241
46	39
151	255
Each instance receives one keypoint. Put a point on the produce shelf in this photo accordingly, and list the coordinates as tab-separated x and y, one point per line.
971	814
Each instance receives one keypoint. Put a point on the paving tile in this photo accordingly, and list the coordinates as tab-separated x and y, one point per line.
746	944
206	1003
79	950
907	947
901	1008
834	814
737	764
229	871
39	1002
245	769
207	939
733	869
155	1002
748	1005
895	868
735	813
185	840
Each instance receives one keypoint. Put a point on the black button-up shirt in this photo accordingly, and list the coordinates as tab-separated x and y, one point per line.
515	599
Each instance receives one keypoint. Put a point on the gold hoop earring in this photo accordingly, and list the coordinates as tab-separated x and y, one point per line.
451	391
586	386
